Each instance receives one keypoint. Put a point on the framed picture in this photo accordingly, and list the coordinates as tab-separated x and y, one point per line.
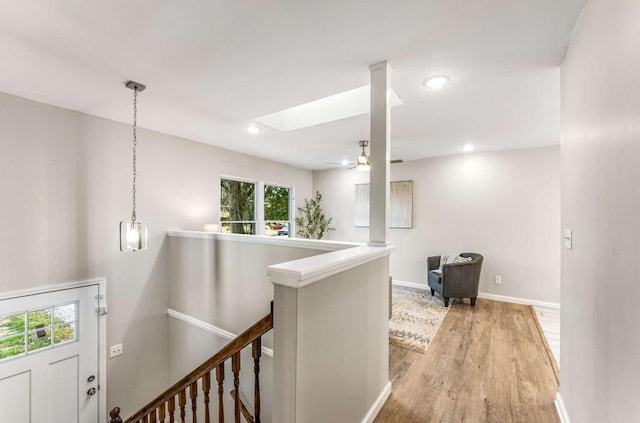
400	205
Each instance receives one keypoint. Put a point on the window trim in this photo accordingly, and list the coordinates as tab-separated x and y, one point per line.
258	212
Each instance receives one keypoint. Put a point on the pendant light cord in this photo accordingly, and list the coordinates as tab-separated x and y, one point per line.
135	144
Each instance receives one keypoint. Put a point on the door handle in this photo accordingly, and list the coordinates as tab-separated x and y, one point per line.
91	392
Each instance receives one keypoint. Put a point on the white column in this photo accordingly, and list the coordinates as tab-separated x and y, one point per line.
380	151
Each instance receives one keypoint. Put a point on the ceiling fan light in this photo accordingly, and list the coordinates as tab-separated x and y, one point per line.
363	159
363	167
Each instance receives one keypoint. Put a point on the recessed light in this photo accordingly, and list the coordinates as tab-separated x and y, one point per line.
345	162
467	148
436	82
253	130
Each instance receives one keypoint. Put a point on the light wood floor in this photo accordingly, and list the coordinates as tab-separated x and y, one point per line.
486	364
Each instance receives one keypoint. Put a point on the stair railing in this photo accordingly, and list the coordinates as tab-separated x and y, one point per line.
164	405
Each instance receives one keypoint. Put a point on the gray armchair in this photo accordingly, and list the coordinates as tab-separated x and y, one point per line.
457	280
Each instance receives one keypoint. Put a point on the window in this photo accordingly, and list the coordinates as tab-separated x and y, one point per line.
33	330
277	206
250	207
237	206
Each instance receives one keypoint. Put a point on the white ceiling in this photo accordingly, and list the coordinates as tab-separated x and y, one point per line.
211	66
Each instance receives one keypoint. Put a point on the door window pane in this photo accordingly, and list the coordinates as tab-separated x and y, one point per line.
11	325
39	338
39	317
12	346
64	313
64	333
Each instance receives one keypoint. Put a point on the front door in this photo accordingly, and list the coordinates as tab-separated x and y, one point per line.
49	357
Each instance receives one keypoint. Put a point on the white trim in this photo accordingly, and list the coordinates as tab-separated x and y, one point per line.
210	328
238	178
303	272
377	405
102	328
50	288
258	211
517	300
421	286
561	409
501	298
312	244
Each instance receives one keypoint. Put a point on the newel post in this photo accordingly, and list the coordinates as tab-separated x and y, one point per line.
115	416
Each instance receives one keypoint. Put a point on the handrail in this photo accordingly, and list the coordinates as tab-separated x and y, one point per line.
232	350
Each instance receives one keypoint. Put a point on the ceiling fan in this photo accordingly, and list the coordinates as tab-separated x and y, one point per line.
362	161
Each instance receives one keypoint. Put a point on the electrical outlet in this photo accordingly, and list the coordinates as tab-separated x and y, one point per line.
497	279
115	350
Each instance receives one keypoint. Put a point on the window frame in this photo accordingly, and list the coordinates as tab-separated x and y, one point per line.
258	211
291	221
28	333
255	203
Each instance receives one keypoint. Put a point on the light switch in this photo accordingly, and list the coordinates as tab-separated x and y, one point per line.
568	239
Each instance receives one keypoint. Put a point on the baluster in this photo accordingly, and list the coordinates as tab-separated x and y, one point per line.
235	367
172	409
115	415
162	413
206	386
220	379
182	401
256	352
152	417
193	392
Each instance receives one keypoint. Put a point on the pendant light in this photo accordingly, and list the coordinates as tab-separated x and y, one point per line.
133	234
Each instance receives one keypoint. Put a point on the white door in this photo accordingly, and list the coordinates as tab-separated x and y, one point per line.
49	357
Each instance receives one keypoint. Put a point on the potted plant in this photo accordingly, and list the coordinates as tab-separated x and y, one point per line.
311	221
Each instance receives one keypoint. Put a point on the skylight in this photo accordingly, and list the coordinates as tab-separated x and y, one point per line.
344	105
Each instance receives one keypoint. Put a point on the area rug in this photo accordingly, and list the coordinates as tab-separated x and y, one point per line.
415	319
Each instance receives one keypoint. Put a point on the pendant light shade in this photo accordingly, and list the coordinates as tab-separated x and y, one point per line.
133	234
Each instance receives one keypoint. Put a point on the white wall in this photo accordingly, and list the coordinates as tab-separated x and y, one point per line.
504	205
331	336
65	183
224	282
601	202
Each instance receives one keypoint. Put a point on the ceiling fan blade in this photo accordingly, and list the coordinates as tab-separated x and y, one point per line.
396	161
340	163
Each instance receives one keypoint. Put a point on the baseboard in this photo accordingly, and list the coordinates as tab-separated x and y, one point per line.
517	300
377	405
560	408
422	286
502	298
210	328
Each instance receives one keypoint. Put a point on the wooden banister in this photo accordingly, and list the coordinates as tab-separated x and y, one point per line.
231	351
243	408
